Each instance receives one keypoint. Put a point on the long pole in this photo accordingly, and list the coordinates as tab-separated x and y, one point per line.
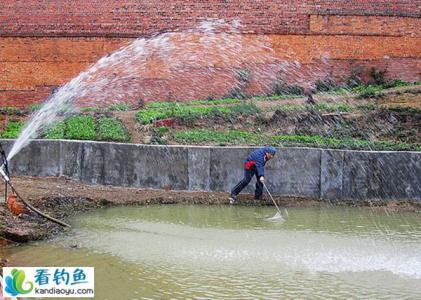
276	205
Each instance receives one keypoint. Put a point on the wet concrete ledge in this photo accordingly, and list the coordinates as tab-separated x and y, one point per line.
334	175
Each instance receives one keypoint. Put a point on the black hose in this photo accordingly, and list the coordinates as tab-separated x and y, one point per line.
35	209
4	163
27	204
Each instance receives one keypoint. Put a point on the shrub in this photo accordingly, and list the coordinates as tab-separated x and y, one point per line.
355	79
378	76
110	129
80	128
12	130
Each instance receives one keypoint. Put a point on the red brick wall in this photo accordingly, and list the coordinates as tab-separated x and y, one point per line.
45	43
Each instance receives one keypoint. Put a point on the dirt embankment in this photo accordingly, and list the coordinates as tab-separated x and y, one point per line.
63	198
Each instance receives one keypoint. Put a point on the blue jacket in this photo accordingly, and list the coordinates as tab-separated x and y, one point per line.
258	156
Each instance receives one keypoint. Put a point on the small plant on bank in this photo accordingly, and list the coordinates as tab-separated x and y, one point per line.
110	129
81	128
12	130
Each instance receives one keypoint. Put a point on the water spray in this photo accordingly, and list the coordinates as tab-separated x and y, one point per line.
4	172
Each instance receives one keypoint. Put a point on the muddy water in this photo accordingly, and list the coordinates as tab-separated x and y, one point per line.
162	252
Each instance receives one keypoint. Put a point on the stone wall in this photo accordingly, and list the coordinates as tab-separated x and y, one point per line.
43	44
332	175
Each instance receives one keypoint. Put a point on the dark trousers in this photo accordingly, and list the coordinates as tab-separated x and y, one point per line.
248	175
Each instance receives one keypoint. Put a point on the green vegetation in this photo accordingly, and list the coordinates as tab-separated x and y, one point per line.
34	107
80	128
191	112
234	137
110	129
287	92
85	127
369	91
56	131
372	90
12	130
89	109
193	103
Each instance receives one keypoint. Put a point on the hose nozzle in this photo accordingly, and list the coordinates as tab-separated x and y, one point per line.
3	173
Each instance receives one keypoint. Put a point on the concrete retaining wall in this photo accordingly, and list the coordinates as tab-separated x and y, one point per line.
334	175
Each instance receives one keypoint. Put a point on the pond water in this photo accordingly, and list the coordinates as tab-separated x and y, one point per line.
213	252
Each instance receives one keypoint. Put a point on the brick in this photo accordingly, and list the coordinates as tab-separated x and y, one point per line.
365	25
44	44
